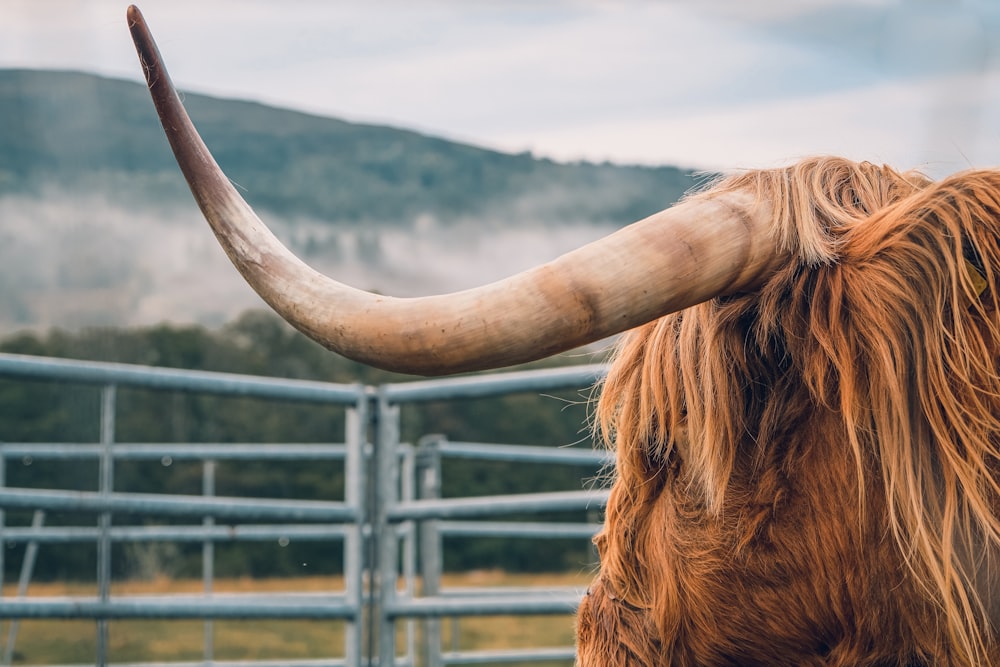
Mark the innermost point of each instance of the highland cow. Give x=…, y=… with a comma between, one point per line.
x=805, y=408
x=807, y=473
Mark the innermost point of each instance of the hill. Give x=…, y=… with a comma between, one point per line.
x=82, y=131
x=97, y=226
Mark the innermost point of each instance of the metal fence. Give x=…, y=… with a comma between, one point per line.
x=391, y=522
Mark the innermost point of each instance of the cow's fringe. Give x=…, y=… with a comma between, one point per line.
x=879, y=317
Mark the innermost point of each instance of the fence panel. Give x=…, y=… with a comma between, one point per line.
x=392, y=532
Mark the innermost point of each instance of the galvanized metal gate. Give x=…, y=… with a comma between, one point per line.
x=390, y=519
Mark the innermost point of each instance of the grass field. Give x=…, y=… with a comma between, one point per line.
x=52, y=642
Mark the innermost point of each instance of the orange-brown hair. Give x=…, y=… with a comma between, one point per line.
x=886, y=318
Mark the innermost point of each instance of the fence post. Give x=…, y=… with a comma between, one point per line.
x=431, y=565
x=406, y=531
x=105, y=486
x=27, y=569
x=355, y=437
x=208, y=557
x=386, y=481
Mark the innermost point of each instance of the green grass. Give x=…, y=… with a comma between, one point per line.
x=54, y=642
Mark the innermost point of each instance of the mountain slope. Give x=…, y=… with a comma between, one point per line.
x=85, y=132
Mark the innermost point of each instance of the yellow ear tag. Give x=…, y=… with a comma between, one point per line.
x=978, y=279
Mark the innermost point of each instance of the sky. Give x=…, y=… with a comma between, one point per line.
x=715, y=84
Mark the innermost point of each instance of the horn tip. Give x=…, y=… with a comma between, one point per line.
x=149, y=54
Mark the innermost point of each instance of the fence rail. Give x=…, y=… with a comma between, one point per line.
x=390, y=524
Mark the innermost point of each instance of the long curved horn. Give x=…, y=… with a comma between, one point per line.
x=684, y=255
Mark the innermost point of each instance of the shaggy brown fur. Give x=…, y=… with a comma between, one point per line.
x=808, y=474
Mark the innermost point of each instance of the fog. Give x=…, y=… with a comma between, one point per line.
x=81, y=262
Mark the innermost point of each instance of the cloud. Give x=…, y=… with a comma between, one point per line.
x=938, y=127
x=624, y=81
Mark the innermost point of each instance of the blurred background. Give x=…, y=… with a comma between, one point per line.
x=424, y=147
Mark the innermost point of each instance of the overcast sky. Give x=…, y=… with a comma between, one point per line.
x=711, y=84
